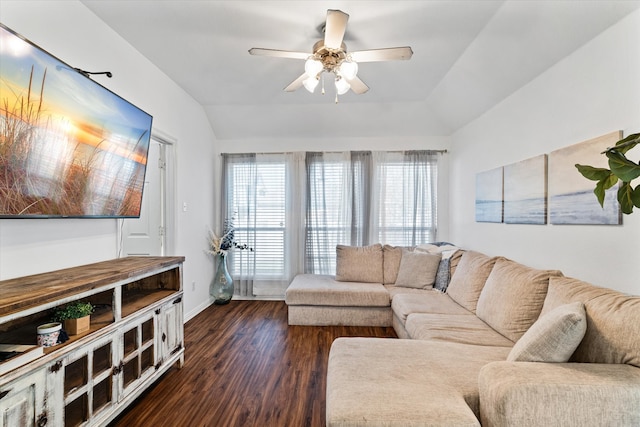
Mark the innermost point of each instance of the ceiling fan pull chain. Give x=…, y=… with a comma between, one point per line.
x=323, y=84
x=336, y=97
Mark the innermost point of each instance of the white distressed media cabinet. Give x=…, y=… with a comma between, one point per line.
x=137, y=334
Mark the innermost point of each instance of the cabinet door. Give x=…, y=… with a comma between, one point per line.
x=89, y=388
x=22, y=401
x=139, y=352
x=172, y=327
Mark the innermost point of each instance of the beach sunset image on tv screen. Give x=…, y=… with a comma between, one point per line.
x=68, y=146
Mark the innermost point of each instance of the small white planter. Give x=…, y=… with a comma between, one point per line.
x=48, y=334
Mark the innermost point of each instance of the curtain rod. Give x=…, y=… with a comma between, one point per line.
x=333, y=152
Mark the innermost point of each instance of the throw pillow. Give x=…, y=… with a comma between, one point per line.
x=391, y=256
x=417, y=270
x=443, y=276
x=470, y=275
x=359, y=263
x=553, y=337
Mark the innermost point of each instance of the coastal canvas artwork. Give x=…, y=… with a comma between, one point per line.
x=489, y=196
x=525, y=191
x=571, y=198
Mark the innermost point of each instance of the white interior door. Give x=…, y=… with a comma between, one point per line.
x=146, y=235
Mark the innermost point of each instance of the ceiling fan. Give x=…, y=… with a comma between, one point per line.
x=330, y=55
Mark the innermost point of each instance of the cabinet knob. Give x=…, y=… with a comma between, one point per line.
x=42, y=420
x=178, y=300
x=4, y=393
x=117, y=369
x=164, y=337
x=56, y=366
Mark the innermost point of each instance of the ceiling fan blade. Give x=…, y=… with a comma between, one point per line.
x=357, y=85
x=278, y=53
x=334, y=29
x=386, y=54
x=296, y=84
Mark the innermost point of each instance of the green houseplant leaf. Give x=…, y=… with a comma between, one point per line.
x=625, y=198
x=603, y=185
x=635, y=197
x=621, y=168
x=627, y=143
x=594, y=174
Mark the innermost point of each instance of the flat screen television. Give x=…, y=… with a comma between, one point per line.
x=69, y=147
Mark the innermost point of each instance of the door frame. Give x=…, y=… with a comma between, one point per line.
x=168, y=186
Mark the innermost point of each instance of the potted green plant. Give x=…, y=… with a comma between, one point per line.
x=76, y=317
x=620, y=169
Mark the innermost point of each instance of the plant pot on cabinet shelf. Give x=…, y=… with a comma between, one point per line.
x=77, y=326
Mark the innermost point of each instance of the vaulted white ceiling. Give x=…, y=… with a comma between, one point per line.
x=468, y=56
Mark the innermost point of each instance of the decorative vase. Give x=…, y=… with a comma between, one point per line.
x=221, y=288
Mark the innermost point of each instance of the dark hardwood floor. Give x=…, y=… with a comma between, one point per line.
x=244, y=366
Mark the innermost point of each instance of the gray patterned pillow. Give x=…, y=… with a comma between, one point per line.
x=443, y=275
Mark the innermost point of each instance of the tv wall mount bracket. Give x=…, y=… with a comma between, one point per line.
x=90, y=73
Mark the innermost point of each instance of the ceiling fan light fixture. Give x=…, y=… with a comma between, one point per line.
x=312, y=67
x=310, y=83
x=342, y=85
x=349, y=69
x=330, y=55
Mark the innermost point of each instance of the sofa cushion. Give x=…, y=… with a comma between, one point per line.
x=391, y=257
x=553, y=337
x=453, y=263
x=428, y=301
x=564, y=290
x=317, y=289
x=613, y=321
x=512, y=297
x=418, y=269
x=469, y=277
x=359, y=263
x=400, y=290
x=391, y=382
x=458, y=328
x=527, y=394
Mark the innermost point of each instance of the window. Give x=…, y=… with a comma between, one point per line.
x=407, y=185
x=293, y=209
x=256, y=201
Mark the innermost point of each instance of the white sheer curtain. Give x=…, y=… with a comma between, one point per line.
x=328, y=209
x=338, y=206
x=404, y=197
x=262, y=194
x=294, y=208
x=239, y=199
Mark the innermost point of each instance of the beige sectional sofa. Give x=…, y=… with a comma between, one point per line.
x=504, y=345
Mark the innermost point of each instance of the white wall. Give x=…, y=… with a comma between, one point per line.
x=592, y=92
x=68, y=30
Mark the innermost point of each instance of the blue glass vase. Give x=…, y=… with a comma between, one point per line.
x=221, y=288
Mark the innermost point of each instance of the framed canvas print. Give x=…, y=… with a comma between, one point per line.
x=525, y=191
x=489, y=196
x=69, y=147
x=571, y=198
